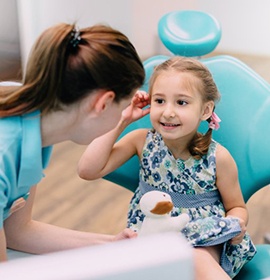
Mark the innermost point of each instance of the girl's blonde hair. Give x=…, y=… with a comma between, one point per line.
x=60, y=72
x=205, y=85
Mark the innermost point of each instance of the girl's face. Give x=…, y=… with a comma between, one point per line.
x=176, y=105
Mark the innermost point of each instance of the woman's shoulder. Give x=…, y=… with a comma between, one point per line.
x=14, y=128
x=10, y=125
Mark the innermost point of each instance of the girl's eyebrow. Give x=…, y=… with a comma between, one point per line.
x=158, y=94
x=184, y=95
x=178, y=95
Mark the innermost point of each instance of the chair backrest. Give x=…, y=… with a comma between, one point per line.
x=245, y=112
x=245, y=131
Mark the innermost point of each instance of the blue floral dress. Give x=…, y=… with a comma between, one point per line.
x=192, y=186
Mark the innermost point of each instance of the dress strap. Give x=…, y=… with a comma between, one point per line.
x=185, y=200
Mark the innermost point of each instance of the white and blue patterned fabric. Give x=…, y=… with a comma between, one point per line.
x=192, y=186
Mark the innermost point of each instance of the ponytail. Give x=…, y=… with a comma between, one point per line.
x=200, y=144
x=66, y=64
x=43, y=74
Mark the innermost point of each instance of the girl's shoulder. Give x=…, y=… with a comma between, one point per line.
x=220, y=152
x=138, y=134
x=217, y=146
x=223, y=155
x=212, y=148
x=136, y=138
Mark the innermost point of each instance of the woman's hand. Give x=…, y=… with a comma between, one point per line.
x=136, y=109
x=125, y=234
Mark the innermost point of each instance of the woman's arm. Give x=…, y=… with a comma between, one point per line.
x=26, y=235
x=3, y=254
x=103, y=155
x=229, y=188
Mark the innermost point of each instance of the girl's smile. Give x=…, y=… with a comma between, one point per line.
x=169, y=126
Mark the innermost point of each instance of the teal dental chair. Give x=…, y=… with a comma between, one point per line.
x=244, y=110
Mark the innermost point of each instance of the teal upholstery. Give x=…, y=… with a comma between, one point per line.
x=245, y=113
x=258, y=267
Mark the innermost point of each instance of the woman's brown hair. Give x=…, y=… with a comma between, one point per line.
x=205, y=85
x=59, y=72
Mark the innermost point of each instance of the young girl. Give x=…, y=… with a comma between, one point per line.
x=76, y=84
x=199, y=174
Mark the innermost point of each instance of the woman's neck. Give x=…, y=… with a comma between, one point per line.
x=56, y=127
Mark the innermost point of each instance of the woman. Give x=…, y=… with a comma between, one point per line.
x=76, y=84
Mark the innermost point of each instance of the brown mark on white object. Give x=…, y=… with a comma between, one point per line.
x=162, y=208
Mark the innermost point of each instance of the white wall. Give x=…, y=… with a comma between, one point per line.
x=245, y=24
x=136, y=18
x=9, y=33
x=37, y=15
x=145, y=17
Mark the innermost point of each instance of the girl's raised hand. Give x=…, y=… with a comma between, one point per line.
x=136, y=109
x=140, y=99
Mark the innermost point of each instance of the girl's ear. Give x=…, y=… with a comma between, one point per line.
x=103, y=101
x=207, y=110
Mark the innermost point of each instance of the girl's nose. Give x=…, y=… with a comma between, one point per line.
x=169, y=112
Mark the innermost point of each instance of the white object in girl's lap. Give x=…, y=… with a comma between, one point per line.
x=157, y=206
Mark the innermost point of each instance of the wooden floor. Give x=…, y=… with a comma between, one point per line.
x=64, y=199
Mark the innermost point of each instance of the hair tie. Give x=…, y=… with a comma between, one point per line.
x=214, y=121
x=75, y=37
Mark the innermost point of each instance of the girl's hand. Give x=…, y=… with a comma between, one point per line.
x=136, y=109
x=125, y=234
x=238, y=238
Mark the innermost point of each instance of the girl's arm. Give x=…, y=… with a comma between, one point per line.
x=103, y=155
x=229, y=188
x=26, y=235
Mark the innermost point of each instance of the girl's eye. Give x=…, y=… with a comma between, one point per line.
x=159, y=101
x=182, y=102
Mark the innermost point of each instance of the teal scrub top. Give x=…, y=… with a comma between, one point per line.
x=22, y=158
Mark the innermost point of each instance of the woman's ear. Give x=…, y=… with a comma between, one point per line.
x=207, y=110
x=103, y=101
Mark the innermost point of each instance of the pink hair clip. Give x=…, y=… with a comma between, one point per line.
x=214, y=121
